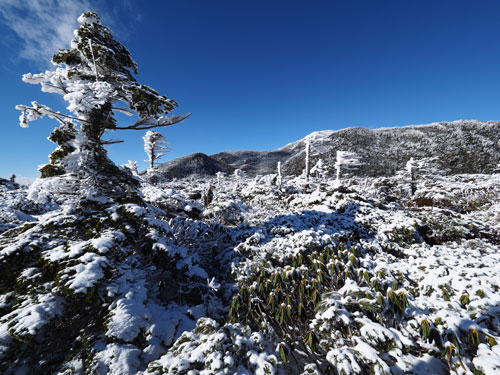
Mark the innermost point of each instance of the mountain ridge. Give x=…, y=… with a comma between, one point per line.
x=460, y=146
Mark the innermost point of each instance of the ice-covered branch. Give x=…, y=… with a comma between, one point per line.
x=39, y=110
x=150, y=123
x=124, y=111
x=47, y=87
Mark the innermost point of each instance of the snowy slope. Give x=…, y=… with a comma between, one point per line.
x=311, y=278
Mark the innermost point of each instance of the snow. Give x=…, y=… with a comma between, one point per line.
x=344, y=360
x=128, y=313
x=163, y=287
x=262, y=362
x=87, y=273
x=120, y=359
x=375, y=333
x=61, y=252
x=105, y=242
x=134, y=209
x=31, y=314
x=213, y=347
x=488, y=360
x=368, y=353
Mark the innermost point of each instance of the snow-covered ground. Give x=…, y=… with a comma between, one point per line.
x=409, y=285
x=312, y=278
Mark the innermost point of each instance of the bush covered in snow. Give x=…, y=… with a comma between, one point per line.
x=320, y=280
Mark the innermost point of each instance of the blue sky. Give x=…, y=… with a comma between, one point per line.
x=259, y=74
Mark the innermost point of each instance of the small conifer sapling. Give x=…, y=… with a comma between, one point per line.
x=279, y=178
x=155, y=146
x=307, y=161
x=412, y=169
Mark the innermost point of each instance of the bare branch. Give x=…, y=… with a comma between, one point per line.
x=150, y=123
x=112, y=142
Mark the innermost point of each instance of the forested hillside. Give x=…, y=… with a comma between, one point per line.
x=458, y=147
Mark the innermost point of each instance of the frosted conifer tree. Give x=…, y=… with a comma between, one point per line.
x=95, y=77
x=412, y=169
x=424, y=169
x=307, y=161
x=220, y=176
x=346, y=160
x=155, y=146
x=279, y=178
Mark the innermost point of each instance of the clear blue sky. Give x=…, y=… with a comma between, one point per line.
x=259, y=74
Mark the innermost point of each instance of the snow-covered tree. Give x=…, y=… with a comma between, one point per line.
x=307, y=160
x=320, y=169
x=133, y=167
x=237, y=178
x=220, y=177
x=346, y=160
x=425, y=169
x=95, y=76
x=279, y=178
x=208, y=194
x=155, y=146
x=412, y=169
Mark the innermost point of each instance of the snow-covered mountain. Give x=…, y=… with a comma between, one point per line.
x=464, y=146
x=458, y=146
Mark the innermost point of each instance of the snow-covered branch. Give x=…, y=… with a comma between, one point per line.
x=150, y=123
x=112, y=142
x=38, y=111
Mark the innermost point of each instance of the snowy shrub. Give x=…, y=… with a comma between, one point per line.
x=225, y=209
x=320, y=170
x=345, y=162
x=208, y=195
x=210, y=349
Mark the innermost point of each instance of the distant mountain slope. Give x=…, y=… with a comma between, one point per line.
x=197, y=163
x=460, y=146
x=464, y=146
x=254, y=162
